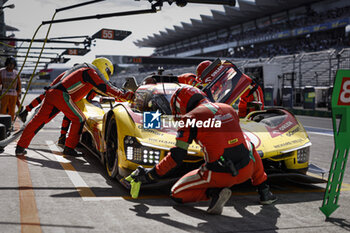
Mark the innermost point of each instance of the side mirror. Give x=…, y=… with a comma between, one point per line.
x=130, y=84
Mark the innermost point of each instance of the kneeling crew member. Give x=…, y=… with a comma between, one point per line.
x=229, y=158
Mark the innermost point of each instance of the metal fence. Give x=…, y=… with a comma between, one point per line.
x=316, y=68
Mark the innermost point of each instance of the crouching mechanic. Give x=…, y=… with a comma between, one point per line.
x=72, y=87
x=229, y=158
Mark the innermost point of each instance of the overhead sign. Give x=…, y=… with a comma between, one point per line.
x=111, y=34
x=77, y=51
x=341, y=111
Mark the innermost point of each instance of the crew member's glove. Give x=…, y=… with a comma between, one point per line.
x=128, y=95
x=138, y=177
x=23, y=115
x=143, y=175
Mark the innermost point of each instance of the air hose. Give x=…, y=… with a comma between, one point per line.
x=36, y=65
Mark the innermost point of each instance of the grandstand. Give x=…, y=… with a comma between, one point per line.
x=313, y=68
x=306, y=37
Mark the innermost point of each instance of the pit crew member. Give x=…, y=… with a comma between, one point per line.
x=72, y=87
x=8, y=74
x=189, y=78
x=251, y=100
x=65, y=121
x=229, y=158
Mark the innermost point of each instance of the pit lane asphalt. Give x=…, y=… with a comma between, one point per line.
x=51, y=193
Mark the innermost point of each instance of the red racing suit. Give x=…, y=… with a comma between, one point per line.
x=250, y=95
x=189, y=78
x=225, y=141
x=62, y=95
x=65, y=121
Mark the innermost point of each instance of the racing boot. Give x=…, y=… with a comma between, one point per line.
x=219, y=197
x=62, y=141
x=266, y=197
x=70, y=151
x=20, y=151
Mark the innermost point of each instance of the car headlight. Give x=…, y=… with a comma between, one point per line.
x=303, y=155
x=137, y=153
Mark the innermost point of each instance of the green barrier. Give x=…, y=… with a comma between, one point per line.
x=341, y=110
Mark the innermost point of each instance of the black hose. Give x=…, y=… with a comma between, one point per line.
x=125, y=13
x=77, y=5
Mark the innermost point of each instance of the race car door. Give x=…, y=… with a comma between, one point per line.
x=228, y=82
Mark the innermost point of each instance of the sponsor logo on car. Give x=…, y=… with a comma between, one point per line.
x=285, y=126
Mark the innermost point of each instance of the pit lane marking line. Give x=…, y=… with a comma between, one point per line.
x=319, y=131
x=29, y=216
x=318, y=128
x=323, y=134
x=345, y=186
x=82, y=188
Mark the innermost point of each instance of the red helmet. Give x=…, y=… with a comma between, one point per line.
x=201, y=67
x=185, y=99
x=188, y=78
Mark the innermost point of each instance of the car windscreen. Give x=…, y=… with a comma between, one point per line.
x=148, y=101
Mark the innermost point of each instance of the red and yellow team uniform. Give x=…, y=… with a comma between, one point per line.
x=250, y=95
x=67, y=89
x=227, y=141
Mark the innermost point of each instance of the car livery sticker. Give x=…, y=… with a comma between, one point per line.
x=251, y=137
x=282, y=128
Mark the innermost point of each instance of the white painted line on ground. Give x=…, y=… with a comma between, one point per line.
x=319, y=131
x=318, y=128
x=73, y=175
x=324, y=134
x=84, y=190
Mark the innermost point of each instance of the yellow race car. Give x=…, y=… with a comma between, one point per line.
x=117, y=134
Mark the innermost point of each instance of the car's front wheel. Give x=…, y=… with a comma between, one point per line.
x=111, y=155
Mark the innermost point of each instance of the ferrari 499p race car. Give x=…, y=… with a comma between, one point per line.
x=115, y=133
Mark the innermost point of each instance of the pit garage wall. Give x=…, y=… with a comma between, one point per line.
x=270, y=74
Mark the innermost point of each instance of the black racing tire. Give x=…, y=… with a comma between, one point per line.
x=111, y=155
x=3, y=133
x=6, y=121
